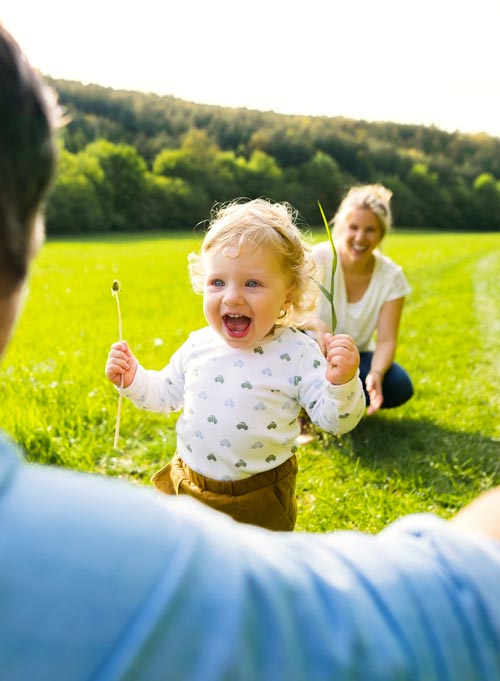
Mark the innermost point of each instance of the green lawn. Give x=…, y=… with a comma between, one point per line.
x=433, y=454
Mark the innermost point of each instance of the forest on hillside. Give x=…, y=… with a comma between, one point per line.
x=131, y=161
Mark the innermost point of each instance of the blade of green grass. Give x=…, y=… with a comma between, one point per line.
x=330, y=294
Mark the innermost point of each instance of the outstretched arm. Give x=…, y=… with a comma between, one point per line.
x=482, y=514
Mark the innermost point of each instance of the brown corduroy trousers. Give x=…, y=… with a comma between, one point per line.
x=266, y=499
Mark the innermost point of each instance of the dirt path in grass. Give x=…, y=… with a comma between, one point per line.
x=487, y=304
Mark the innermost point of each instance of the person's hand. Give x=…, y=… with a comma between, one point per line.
x=481, y=515
x=121, y=362
x=373, y=383
x=342, y=358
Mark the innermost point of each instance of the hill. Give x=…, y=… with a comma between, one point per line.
x=439, y=179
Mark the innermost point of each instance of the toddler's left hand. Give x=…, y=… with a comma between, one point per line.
x=342, y=358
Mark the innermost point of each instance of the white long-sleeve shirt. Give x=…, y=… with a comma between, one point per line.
x=240, y=406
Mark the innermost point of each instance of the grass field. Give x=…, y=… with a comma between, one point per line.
x=433, y=454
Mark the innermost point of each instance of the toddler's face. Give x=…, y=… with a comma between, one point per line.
x=244, y=295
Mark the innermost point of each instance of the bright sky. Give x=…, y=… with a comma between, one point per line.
x=426, y=62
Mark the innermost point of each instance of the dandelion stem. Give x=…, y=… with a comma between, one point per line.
x=115, y=290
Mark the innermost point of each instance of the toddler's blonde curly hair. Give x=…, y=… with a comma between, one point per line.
x=263, y=223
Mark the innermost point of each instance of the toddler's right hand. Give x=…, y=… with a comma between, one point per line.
x=121, y=362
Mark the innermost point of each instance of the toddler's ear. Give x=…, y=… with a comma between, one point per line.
x=289, y=298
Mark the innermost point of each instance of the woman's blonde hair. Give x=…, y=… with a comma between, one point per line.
x=374, y=197
x=263, y=223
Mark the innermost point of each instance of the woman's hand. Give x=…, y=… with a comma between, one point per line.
x=121, y=362
x=342, y=358
x=373, y=383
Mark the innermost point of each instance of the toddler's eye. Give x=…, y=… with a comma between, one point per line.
x=217, y=283
x=252, y=283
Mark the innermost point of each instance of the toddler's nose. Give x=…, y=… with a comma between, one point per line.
x=233, y=296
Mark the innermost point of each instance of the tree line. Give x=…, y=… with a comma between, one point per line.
x=131, y=161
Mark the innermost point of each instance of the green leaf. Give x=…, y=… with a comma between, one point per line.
x=324, y=291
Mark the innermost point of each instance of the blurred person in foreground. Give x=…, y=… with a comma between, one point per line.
x=102, y=580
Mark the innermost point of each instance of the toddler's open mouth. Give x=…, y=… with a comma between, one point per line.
x=236, y=325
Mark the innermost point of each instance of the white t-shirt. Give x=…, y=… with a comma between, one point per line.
x=240, y=406
x=359, y=319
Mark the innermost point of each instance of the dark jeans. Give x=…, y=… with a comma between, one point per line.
x=396, y=386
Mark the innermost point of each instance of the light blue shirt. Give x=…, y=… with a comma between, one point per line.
x=101, y=580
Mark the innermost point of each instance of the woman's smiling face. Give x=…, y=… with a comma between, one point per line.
x=361, y=234
x=244, y=294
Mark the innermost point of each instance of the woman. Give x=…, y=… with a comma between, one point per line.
x=369, y=293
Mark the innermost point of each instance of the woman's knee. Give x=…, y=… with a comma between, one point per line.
x=397, y=387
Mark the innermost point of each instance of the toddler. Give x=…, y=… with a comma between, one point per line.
x=242, y=380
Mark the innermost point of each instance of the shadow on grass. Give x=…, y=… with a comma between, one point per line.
x=421, y=450
x=388, y=467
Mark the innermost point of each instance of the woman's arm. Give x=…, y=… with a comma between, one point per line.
x=385, y=350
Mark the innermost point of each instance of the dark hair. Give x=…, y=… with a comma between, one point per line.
x=27, y=157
